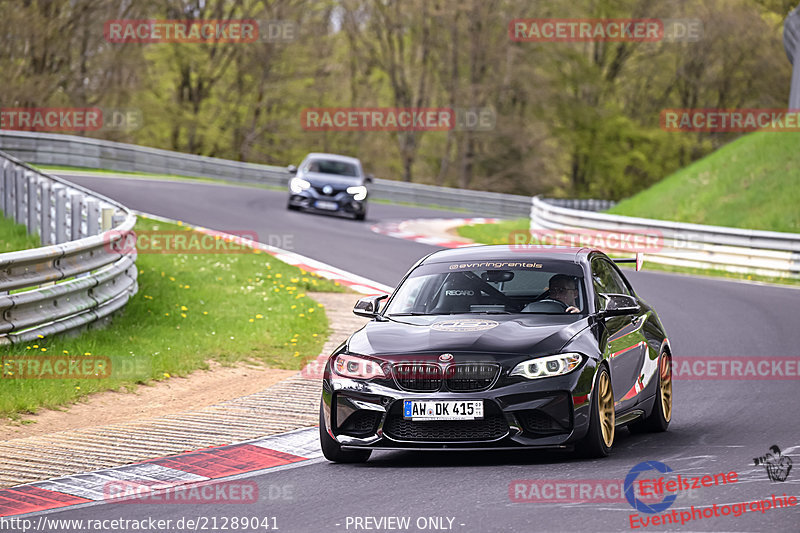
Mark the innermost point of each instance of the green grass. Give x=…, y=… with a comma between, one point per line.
x=753, y=182
x=494, y=233
x=501, y=232
x=190, y=308
x=15, y=237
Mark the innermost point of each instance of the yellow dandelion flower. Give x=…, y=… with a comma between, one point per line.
x=44, y=349
x=184, y=308
x=252, y=320
x=35, y=345
x=166, y=314
x=166, y=375
x=259, y=316
x=87, y=353
x=183, y=315
x=279, y=275
x=205, y=312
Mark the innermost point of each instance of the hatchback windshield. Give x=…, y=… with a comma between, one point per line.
x=491, y=287
x=328, y=166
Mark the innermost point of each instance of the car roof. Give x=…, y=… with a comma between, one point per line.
x=334, y=157
x=504, y=252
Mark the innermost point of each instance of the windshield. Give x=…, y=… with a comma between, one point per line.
x=328, y=166
x=491, y=287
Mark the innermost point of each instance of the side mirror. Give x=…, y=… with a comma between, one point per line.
x=368, y=307
x=619, y=305
x=292, y=169
x=369, y=178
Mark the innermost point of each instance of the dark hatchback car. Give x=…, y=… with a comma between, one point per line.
x=330, y=183
x=497, y=347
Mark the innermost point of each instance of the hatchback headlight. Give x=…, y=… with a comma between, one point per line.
x=352, y=366
x=359, y=192
x=545, y=367
x=298, y=185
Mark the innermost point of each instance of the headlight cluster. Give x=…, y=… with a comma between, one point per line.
x=298, y=185
x=359, y=192
x=352, y=366
x=545, y=367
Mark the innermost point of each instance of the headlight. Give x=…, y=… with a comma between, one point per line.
x=298, y=185
x=359, y=192
x=545, y=367
x=352, y=366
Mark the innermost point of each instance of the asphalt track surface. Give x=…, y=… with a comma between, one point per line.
x=718, y=425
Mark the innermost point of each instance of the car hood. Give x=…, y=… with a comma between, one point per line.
x=318, y=179
x=487, y=334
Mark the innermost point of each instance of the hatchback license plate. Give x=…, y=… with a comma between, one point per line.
x=328, y=206
x=442, y=410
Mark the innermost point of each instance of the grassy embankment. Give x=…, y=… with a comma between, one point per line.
x=190, y=308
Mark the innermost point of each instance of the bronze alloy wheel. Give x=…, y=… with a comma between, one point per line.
x=605, y=406
x=666, y=387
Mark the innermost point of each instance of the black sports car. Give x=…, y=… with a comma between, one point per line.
x=498, y=347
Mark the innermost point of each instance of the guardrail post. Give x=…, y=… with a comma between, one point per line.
x=3, y=187
x=92, y=217
x=32, y=188
x=19, y=212
x=45, y=191
x=107, y=215
x=76, y=212
x=60, y=196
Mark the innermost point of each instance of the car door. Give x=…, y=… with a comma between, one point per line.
x=625, y=343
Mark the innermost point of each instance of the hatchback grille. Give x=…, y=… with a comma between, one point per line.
x=470, y=376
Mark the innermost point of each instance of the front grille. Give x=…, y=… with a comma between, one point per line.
x=470, y=376
x=418, y=377
x=492, y=427
x=362, y=422
x=398, y=428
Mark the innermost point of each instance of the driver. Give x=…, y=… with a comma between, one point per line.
x=565, y=289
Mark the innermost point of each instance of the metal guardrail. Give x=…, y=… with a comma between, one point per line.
x=70, y=150
x=767, y=253
x=79, y=277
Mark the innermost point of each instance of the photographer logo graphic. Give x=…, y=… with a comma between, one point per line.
x=778, y=466
x=638, y=504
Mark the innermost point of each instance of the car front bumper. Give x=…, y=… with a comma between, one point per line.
x=546, y=413
x=340, y=202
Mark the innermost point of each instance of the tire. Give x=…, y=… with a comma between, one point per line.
x=291, y=207
x=661, y=415
x=332, y=450
x=600, y=437
x=360, y=216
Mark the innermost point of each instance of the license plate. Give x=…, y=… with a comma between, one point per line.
x=329, y=206
x=442, y=410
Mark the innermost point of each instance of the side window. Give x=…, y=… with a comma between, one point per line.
x=607, y=280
